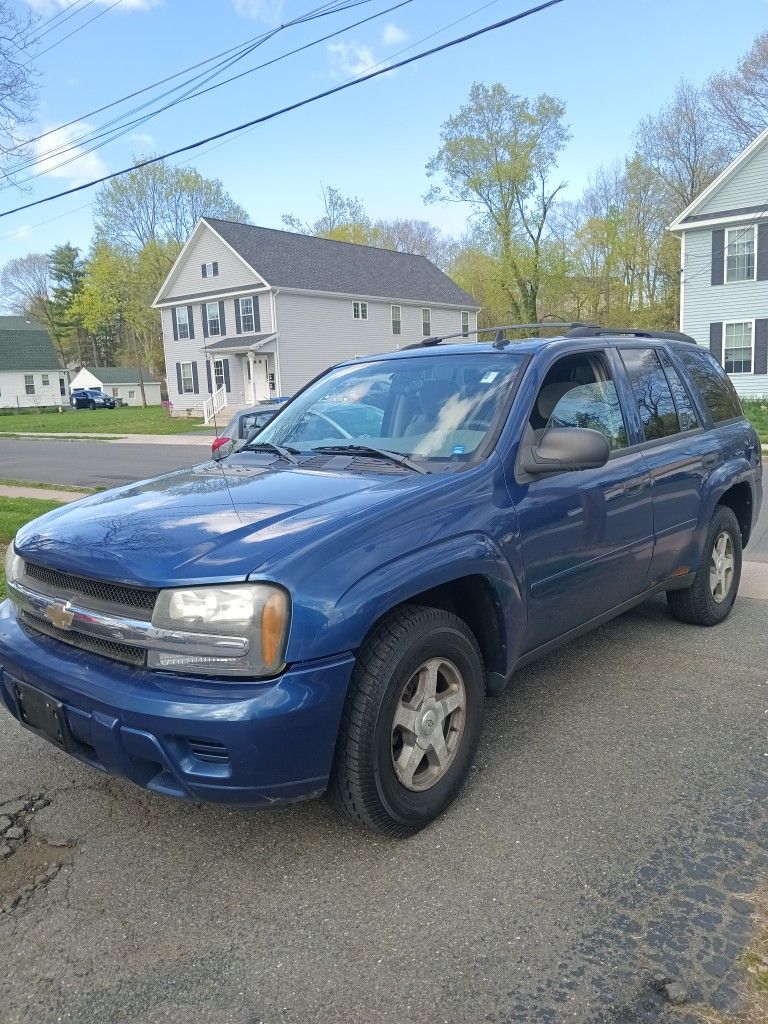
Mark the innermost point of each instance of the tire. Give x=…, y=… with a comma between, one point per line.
x=91, y=404
x=412, y=653
x=700, y=605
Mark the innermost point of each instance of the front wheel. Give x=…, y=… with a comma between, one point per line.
x=710, y=599
x=411, y=722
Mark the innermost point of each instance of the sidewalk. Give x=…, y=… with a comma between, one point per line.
x=41, y=493
x=154, y=439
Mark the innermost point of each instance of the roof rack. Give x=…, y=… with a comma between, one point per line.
x=500, y=341
x=594, y=331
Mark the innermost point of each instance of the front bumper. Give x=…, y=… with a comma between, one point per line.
x=224, y=742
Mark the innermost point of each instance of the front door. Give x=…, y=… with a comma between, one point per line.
x=260, y=380
x=587, y=535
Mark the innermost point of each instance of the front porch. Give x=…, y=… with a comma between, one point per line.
x=240, y=372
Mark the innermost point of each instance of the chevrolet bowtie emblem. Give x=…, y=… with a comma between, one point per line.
x=60, y=615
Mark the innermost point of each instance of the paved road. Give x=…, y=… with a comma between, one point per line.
x=612, y=828
x=93, y=463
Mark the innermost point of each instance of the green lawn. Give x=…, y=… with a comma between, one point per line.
x=129, y=420
x=14, y=512
x=757, y=410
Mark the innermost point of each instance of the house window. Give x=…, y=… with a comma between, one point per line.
x=737, y=347
x=115, y=392
x=210, y=269
x=46, y=381
x=62, y=387
x=740, y=254
x=218, y=374
x=131, y=394
x=29, y=383
x=465, y=322
x=187, y=381
x=426, y=322
x=246, y=315
x=360, y=310
x=397, y=320
x=182, y=321
x=212, y=313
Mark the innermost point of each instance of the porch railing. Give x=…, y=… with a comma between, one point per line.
x=214, y=404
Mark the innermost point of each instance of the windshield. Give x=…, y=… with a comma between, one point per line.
x=430, y=407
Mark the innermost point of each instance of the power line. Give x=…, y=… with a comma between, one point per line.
x=74, y=31
x=112, y=130
x=291, y=107
x=62, y=11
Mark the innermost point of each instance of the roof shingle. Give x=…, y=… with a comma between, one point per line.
x=120, y=375
x=25, y=346
x=286, y=259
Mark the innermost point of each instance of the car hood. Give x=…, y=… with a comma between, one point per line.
x=214, y=522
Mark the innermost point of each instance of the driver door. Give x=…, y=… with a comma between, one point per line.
x=586, y=535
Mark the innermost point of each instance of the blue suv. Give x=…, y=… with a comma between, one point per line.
x=327, y=608
x=90, y=398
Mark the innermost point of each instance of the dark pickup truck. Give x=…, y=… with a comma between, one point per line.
x=327, y=608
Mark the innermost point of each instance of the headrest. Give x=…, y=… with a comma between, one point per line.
x=434, y=394
x=549, y=396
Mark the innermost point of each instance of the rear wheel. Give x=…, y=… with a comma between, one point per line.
x=91, y=404
x=716, y=583
x=411, y=722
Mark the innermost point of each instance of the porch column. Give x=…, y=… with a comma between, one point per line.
x=252, y=379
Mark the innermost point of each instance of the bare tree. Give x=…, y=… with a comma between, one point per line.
x=26, y=287
x=740, y=99
x=18, y=89
x=681, y=144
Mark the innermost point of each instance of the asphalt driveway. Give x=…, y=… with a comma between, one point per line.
x=611, y=832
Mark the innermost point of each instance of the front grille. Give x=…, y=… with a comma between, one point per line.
x=107, y=648
x=111, y=596
x=209, y=751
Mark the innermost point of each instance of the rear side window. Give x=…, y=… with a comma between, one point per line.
x=712, y=382
x=652, y=392
x=686, y=413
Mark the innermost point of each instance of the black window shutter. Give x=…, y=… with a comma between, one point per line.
x=222, y=321
x=195, y=383
x=226, y=375
x=761, y=347
x=215, y=269
x=175, y=325
x=178, y=378
x=208, y=375
x=762, y=252
x=716, y=340
x=256, y=317
x=204, y=269
x=718, y=256
x=204, y=313
x=191, y=321
x=238, y=324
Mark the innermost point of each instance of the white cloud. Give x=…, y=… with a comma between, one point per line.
x=351, y=60
x=49, y=7
x=58, y=148
x=143, y=139
x=393, y=34
x=268, y=11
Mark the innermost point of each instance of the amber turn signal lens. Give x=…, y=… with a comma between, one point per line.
x=273, y=628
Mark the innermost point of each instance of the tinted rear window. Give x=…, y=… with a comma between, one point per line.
x=652, y=393
x=712, y=382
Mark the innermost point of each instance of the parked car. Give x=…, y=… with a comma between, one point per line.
x=90, y=398
x=320, y=612
x=243, y=425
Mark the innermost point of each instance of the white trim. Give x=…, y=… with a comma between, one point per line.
x=426, y=309
x=682, y=282
x=242, y=290
x=677, y=223
x=181, y=258
x=396, y=306
x=741, y=280
x=252, y=314
x=416, y=303
x=741, y=373
x=736, y=218
x=187, y=362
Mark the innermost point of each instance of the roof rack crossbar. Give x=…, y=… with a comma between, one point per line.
x=499, y=331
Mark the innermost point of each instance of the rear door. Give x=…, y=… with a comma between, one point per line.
x=679, y=454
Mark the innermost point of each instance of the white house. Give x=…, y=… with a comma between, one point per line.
x=724, y=279
x=30, y=372
x=119, y=382
x=250, y=313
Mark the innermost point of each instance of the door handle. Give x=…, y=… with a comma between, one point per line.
x=634, y=486
x=710, y=459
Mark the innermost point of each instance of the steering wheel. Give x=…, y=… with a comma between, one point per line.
x=331, y=423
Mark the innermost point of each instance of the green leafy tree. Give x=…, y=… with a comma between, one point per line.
x=67, y=274
x=499, y=155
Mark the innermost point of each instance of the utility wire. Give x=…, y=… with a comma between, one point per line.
x=74, y=31
x=290, y=107
x=112, y=130
x=54, y=17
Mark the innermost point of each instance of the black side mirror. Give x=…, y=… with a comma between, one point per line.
x=565, y=448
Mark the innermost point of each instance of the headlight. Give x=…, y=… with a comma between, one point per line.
x=256, y=612
x=13, y=564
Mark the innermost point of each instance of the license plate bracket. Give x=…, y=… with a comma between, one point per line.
x=42, y=714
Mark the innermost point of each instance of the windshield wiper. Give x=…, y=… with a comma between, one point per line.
x=288, y=454
x=368, y=449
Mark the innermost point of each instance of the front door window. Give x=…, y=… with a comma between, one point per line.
x=218, y=374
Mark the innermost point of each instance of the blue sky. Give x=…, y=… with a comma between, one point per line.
x=611, y=61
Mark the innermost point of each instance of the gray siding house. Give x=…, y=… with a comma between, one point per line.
x=251, y=313
x=724, y=276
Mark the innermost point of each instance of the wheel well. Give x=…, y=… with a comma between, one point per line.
x=739, y=499
x=473, y=599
